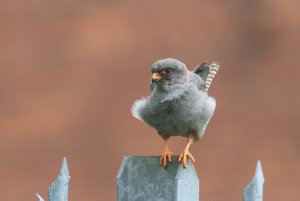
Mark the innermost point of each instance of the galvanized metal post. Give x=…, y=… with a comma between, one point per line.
x=254, y=190
x=142, y=178
x=58, y=191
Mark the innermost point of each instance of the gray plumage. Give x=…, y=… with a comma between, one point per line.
x=202, y=70
x=179, y=104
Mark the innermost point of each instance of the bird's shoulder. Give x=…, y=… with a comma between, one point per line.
x=197, y=80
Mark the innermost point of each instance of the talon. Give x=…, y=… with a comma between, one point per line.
x=186, y=154
x=190, y=156
x=165, y=157
x=183, y=157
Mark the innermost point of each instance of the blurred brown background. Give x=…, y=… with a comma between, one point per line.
x=70, y=70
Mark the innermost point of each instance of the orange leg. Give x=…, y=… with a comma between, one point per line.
x=166, y=156
x=186, y=154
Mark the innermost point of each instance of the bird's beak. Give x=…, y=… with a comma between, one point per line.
x=156, y=76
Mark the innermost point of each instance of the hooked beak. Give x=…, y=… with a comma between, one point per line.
x=156, y=76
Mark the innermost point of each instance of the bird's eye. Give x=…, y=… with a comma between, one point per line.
x=168, y=71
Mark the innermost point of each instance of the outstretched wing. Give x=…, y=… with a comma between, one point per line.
x=207, y=72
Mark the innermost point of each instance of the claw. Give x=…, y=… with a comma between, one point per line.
x=183, y=156
x=165, y=157
x=186, y=154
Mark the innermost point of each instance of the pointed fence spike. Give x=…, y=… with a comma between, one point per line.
x=254, y=190
x=64, y=168
x=58, y=191
x=39, y=197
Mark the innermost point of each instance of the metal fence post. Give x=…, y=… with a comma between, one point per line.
x=58, y=191
x=254, y=190
x=142, y=178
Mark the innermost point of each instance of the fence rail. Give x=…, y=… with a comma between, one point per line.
x=140, y=178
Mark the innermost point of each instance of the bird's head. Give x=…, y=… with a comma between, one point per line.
x=169, y=71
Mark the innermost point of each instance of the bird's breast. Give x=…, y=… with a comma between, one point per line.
x=177, y=113
x=170, y=118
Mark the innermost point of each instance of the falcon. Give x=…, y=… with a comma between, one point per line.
x=178, y=104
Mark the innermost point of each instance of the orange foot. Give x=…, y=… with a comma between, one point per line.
x=182, y=158
x=165, y=157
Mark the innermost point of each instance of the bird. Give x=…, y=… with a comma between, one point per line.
x=178, y=105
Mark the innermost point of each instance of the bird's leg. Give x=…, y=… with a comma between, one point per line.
x=186, y=154
x=167, y=154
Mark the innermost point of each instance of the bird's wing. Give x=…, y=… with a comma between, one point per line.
x=207, y=72
x=197, y=80
x=202, y=70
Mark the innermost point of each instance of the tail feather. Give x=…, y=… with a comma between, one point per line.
x=213, y=69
